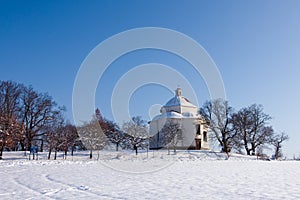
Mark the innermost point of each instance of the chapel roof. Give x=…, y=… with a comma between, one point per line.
x=175, y=115
x=179, y=100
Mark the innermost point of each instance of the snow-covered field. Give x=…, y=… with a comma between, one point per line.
x=187, y=175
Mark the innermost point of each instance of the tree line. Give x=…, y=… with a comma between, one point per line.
x=246, y=130
x=30, y=118
x=100, y=132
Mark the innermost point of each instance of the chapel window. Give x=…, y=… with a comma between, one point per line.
x=204, y=136
x=198, y=129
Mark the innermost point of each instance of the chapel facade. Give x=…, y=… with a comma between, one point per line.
x=194, y=128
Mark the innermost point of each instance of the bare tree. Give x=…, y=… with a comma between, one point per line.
x=277, y=143
x=71, y=138
x=136, y=134
x=243, y=122
x=114, y=134
x=92, y=136
x=262, y=133
x=61, y=136
x=24, y=115
x=251, y=124
x=53, y=134
x=111, y=130
x=218, y=114
x=172, y=134
x=11, y=130
x=37, y=111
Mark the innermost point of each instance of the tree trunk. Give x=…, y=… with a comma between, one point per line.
x=72, y=150
x=253, y=148
x=66, y=152
x=28, y=147
x=248, y=152
x=117, y=146
x=98, y=155
x=49, y=153
x=135, y=148
x=55, y=154
x=277, y=149
x=91, y=154
x=29, y=140
x=247, y=149
x=16, y=147
x=226, y=148
x=1, y=152
x=22, y=145
x=42, y=146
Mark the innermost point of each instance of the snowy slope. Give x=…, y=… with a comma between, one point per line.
x=193, y=175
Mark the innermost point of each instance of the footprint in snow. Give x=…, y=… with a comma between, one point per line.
x=82, y=187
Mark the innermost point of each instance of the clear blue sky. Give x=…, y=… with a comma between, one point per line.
x=255, y=44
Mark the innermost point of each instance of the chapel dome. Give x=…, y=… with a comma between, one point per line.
x=179, y=100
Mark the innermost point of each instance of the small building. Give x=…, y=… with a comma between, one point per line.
x=193, y=127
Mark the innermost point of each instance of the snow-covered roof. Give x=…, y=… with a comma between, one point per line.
x=179, y=100
x=175, y=115
x=173, y=108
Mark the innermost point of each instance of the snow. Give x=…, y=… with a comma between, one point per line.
x=167, y=115
x=122, y=175
x=179, y=101
x=175, y=115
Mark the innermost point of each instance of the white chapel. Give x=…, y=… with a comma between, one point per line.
x=193, y=126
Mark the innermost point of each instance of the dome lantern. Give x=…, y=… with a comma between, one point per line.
x=178, y=92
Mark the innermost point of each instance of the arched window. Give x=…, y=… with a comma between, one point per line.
x=204, y=136
x=198, y=129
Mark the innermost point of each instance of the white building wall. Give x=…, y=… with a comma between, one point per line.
x=181, y=111
x=188, y=131
x=188, y=127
